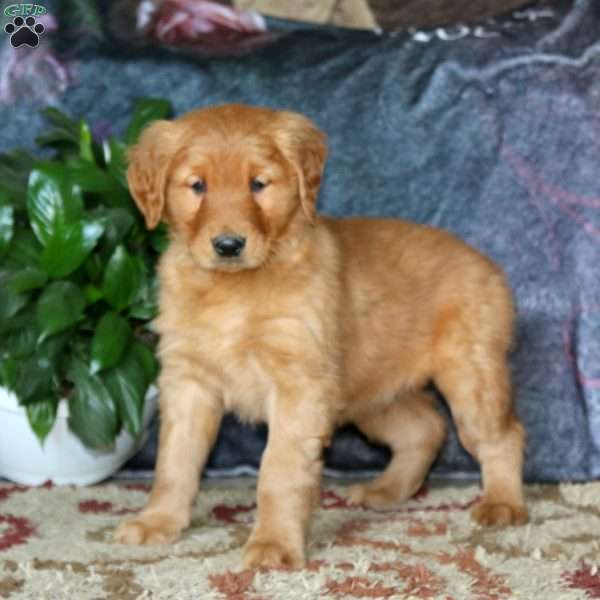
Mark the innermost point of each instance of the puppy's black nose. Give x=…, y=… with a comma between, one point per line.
x=228, y=246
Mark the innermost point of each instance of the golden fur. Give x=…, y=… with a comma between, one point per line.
x=318, y=322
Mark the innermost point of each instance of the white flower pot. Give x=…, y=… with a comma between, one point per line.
x=63, y=459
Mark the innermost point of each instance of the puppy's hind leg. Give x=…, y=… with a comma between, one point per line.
x=477, y=389
x=415, y=431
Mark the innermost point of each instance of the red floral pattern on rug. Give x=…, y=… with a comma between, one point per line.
x=57, y=542
x=584, y=578
x=14, y=531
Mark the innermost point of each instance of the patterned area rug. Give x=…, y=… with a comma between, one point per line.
x=55, y=544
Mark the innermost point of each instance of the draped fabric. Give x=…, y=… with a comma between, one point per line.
x=491, y=132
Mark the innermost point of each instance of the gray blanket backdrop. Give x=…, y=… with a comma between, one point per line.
x=492, y=133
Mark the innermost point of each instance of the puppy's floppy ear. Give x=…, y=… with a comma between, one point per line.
x=149, y=162
x=305, y=146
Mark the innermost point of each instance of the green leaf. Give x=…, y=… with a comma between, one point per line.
x=111, y=337
x=85, y=142
x=60, y=119
x=68, y=247
x=117, y=224
x=41, y=416
x=56, y=136
x=21, y=342
x=123, y=279
x=146, y=305
x=147, y=359
x=145, y=111
x=7, y=223
x=29, y=278
x=14, y=171
x=89, y=177
x=25, y=316
x=9, y=371
x=61, y=305
x=94, y=268
x=52, y=202
x=65, y=131
x=24, y=251
x=143, y=311
x=34, y=380
x=159, y=237
x=115, y=157
x=92, y=293
x=127, y=385
x=80, y=348
x=92, y=412
x=11, y=301
x=53, y=349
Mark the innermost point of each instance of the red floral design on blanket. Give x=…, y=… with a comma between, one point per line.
x=208, y=27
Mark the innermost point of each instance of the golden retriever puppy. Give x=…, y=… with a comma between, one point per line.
x=307, y=322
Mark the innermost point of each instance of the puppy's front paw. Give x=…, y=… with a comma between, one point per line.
x=272, y=554
x=488, y=513
x=148, y=529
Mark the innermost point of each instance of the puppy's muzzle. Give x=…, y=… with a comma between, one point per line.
x=228, y=246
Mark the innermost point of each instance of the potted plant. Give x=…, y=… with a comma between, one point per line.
x=77, y=296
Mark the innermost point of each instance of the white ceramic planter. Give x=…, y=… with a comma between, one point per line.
x=63, y=459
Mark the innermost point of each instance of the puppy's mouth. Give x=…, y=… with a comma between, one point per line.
x=250, y=258
x=232, y=264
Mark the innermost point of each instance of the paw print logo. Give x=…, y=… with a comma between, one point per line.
x=24, y=32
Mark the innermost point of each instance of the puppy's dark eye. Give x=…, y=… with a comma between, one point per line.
x=256, y=185
x=199, y=187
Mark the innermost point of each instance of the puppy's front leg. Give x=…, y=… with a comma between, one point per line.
x=190, y=418
x=288, y=485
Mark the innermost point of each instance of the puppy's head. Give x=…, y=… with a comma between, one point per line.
x=229, y=180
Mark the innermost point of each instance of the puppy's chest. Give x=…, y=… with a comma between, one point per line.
x=249, y=345
x=233, y=328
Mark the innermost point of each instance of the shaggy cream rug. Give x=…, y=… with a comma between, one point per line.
x=55, y=544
